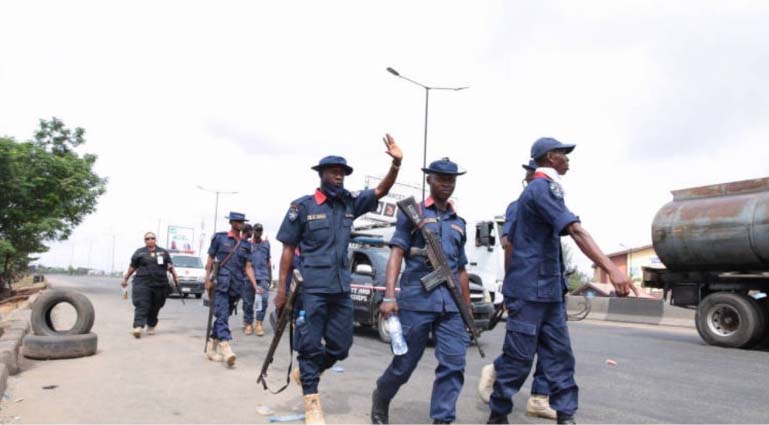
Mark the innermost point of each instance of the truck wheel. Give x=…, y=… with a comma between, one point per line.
x=59, y=347
x=728, y=320
x=40, y=315
x=763, y=321
x=381, y=327
x=198, y=296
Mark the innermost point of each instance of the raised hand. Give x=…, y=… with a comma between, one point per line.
x=392, y=148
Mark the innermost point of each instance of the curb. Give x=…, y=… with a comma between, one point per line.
x=634, y=310
x=15, y=326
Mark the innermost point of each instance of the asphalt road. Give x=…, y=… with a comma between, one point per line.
x=662, y=375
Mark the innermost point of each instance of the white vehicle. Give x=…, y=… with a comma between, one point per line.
x=485, y=256
x=191, y=272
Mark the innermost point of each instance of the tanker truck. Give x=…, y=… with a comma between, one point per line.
x=714, y=243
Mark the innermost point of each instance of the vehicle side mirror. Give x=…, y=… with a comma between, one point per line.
x=364, y=269
x=483, y=234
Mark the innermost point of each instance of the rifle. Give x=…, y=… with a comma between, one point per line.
x=284, y=318
x=211, y=299
x=441, y=270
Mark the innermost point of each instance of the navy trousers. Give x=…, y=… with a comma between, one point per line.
x=451, y=341
x=228, y=291
x=328, y=318
x=535, y=328
x=248, y=301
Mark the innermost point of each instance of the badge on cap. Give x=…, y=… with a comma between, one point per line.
x=556, y=190
x=293, y=213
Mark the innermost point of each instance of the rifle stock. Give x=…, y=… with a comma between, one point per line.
x=441, y=270
x=284, y=318
x=211, y=298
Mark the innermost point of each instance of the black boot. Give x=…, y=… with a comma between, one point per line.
x=563, y=418
x=497, y=419
x=438, y=421
x=379, y=409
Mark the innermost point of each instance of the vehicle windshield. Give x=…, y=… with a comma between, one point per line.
x=187, y=261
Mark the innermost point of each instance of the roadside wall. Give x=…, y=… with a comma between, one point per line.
x=634, y=310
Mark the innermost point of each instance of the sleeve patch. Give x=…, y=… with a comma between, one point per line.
x=293, y=213
x=556, y=190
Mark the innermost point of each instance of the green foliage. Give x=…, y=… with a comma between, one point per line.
x=576, y=277
x=46, y=190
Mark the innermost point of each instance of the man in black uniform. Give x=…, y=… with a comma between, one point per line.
x=150, y=286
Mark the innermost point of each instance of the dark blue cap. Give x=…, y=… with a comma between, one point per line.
x=333, y=160
x=547, y=144
x=531, y=166
x=236, y=216
x=443, y=166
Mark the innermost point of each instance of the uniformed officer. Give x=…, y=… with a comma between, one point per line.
x=535, y=285
x=421, y=312
x=262, y=269
x=537, y=404
x=150, y=286
x=320, y=225
x=232, y=252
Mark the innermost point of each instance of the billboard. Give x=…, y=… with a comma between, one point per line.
x=180, y=238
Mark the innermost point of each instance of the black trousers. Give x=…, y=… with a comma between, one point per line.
x=148, y=300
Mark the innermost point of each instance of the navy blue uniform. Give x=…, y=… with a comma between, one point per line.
x=320, y=226
x=230, y=280
x=539, y=384
x=533, y=288
x=150, y=284
x=260, y=255
x=420, y=312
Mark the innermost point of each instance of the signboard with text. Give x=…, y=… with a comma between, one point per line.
x=180, y=238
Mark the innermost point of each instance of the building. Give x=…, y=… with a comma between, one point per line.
x=631, y=261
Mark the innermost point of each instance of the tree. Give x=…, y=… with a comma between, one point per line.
x=46, y=190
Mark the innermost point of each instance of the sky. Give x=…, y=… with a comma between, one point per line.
x=246, y=96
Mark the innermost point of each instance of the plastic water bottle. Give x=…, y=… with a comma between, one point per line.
x=399, y=346
x=300, y=319
x=258, y=302
x=125, y=293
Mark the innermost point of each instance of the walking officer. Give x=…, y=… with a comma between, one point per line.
x=320, y=225
x=537, y=405
x=232, y=252
x=150, y=286
x=421, y=312
x=262, y=270
x=535, y=285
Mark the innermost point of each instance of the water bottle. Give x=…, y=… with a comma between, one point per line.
x=125, y=293
x=300, y=319
x=258, y=301
x=399, y=346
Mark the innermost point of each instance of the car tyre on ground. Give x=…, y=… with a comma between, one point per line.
x=46, y=347
x=41, y=310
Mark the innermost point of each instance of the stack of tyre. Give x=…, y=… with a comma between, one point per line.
x=46, y=342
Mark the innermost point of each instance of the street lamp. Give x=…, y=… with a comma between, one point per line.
x=216, y=206
x=427, y=101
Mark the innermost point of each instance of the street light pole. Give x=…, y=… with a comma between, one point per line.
x=427, y=103
x=216, y=204
x=424, y=146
